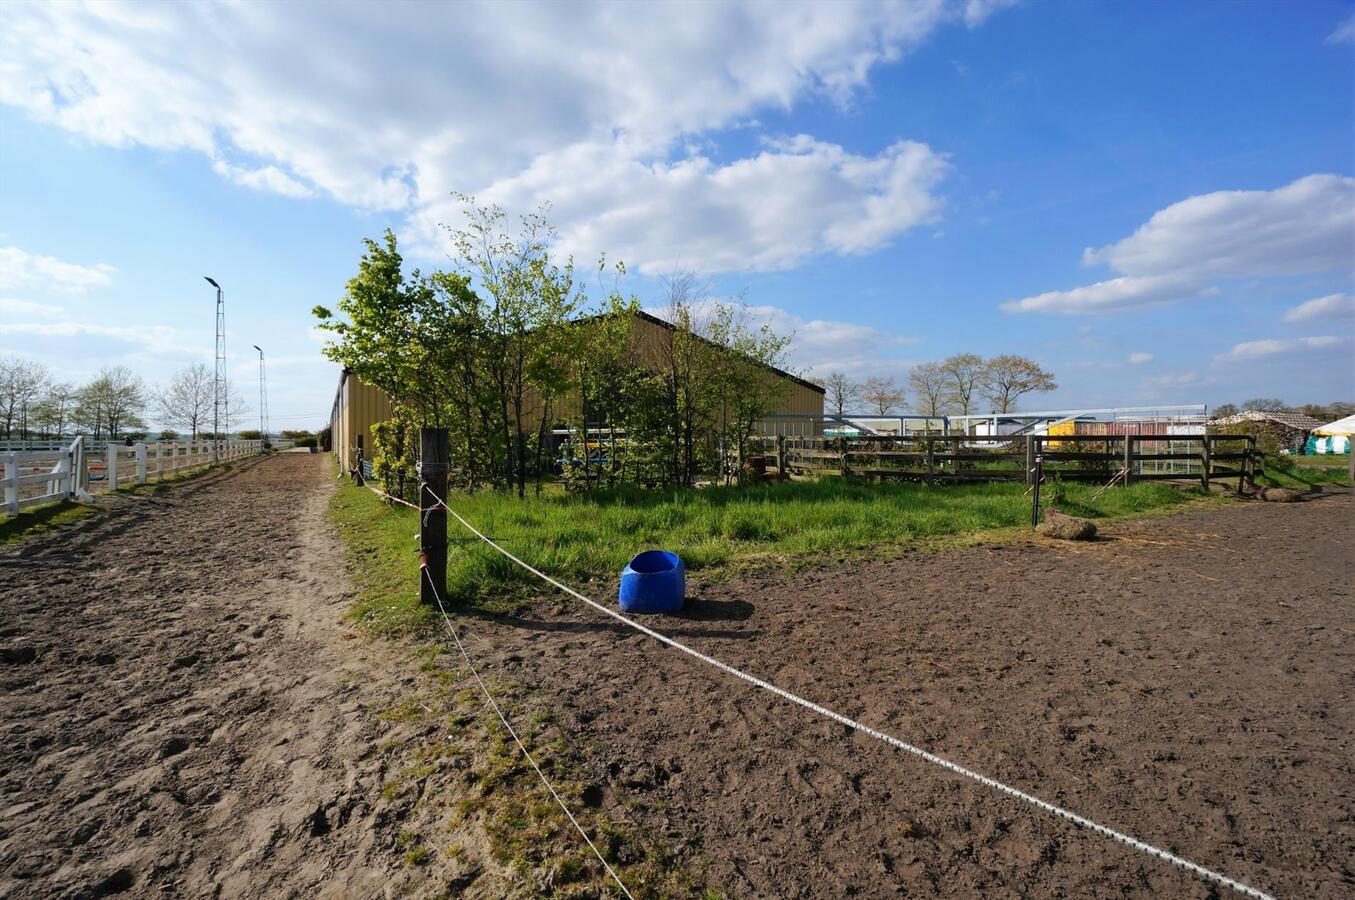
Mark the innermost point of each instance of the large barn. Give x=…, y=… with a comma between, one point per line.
x=359, y=406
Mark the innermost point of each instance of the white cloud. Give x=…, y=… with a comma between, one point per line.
x=19, y=268
x=500, y=100
x=152, y=338
x=12, y=307
x=1344, y=33
x=1272, y=346
x=1304, y=227
x=975, y=11
x=797, y=198
x=265, y=178
x=1136, y=359
x=820, y=346
x=1117, y=293
x=1332, y=306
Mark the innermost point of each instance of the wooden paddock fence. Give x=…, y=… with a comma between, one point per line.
x=964, y=458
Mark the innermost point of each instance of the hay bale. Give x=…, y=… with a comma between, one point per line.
x=1066, y=528
x=1280, y=495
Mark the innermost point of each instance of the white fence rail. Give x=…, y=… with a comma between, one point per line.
x=74, y=471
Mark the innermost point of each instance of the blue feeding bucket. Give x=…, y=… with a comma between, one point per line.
x=653, y=582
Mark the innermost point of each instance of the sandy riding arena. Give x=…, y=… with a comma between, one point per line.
x=181, y=712
x=186, y=712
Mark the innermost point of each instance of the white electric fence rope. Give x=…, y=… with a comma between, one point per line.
x=506, y=724
x=1128, y=840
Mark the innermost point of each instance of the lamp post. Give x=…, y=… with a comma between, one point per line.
x=220, y=403
x=263, y=400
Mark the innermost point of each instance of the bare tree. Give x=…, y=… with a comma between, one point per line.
x=964, y=374
x=21, y=384
x=1263, y=404
x=928, y=381
x=186, y=402
x=842, y=392
x=882, y=395
x=1008, y=377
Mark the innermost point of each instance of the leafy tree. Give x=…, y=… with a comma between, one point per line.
x=1007, y=378
x=882, y=395
x=530, y=302
x=841, y=392
x=1264, y=404
x=964, y=373
x=744, y=385
x=53, y=411
x=928, y=381
x=114, y=402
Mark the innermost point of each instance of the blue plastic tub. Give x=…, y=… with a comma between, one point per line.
x=653, y=582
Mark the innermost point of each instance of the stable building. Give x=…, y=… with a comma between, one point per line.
x=358, y=406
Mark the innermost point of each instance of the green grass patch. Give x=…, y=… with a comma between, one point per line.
x=38, y=520
x=1312, y=471
x=585, y=536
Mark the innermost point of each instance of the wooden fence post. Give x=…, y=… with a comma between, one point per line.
x=141, y=463
x=1204, y=463
x=1030, y=459
x=781, y=472
x=931, y=459
x=111, y=472
x=842, y=450
x=1128, y=458
x=433, y=446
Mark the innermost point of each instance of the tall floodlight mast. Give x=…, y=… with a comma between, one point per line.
x=263, y=399
x=220, y=397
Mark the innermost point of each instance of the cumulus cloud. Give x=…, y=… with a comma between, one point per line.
x=1332, y=306
x=797, y=198
x=21, y=269
x=1136, y=359
x=1304, y=227
x=376, y=111
x=1272, y=346
x=1126, y=292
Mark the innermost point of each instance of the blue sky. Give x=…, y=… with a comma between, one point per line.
x=1153, y=200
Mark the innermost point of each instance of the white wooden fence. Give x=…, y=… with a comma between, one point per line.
x=72, y=472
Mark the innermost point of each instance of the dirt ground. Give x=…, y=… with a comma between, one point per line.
x=183, y=711
x=1189, y=680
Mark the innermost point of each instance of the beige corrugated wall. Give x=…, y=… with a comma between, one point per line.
x=359, y=406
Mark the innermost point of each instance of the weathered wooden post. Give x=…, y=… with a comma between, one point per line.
x=111, y=472
x=1030, y=459
x=141, y=463
x=433, y=445
x=842, y=451
x=931, y=458
x=1204, y=463
x=1128, y=458
x=781, y=473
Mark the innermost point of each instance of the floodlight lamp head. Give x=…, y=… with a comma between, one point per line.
x=257, y=347
x=212, y=282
